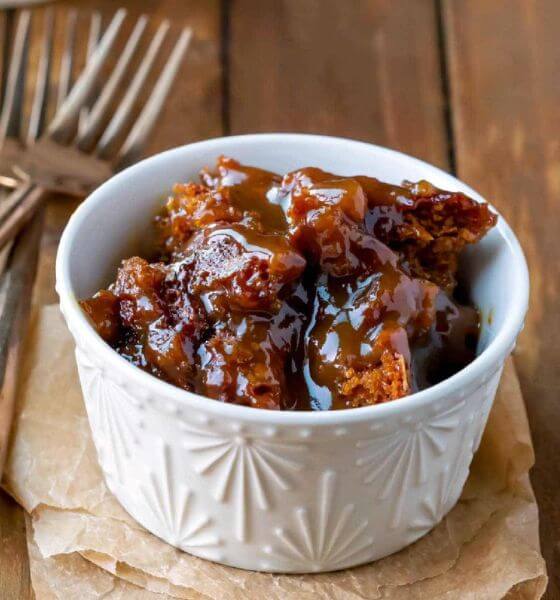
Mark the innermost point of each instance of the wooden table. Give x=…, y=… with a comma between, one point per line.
x=470, y=85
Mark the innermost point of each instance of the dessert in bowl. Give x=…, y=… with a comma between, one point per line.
x=289, y=491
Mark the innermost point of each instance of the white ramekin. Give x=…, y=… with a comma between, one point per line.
x=257, y=489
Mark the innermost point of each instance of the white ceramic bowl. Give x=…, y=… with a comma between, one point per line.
x=280, y=491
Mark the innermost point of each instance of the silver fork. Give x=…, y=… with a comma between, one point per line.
x=60, y=160
x=47, y=164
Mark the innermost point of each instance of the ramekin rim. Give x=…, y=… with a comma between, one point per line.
x=477, y=371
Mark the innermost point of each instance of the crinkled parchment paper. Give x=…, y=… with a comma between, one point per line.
x=83, y=545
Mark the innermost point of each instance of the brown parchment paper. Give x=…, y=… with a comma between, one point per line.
x=82, y=544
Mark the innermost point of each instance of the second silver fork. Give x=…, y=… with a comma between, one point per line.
x=47, y=162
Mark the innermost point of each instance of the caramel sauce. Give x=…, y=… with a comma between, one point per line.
x=308, y=291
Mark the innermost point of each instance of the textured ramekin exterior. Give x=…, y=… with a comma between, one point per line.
x=281, y=491
x=279, y=497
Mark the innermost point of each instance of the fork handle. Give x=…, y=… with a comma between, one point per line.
x=16, y=288
x=22, y=203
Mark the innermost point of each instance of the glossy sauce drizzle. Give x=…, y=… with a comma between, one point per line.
x=308, y=291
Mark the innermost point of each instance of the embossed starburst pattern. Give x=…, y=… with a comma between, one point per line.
x=244, y=470
x=433, y=507
x=321, y=538
x=395, y=462
x=453, y=476
x=109, y=418
x=170, y=505
x=436, y=505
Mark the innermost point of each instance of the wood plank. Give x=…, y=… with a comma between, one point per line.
x=503, y=58
x=194, y=111
x=368, y=69
x=14, y=571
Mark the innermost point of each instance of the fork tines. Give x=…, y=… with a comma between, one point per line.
x=83, y=110
x=10, y=118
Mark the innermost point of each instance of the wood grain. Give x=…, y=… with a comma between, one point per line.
x=14, y=571
x=368, y=69
x=194, y=111
x=503, y=58
x=17, y=283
